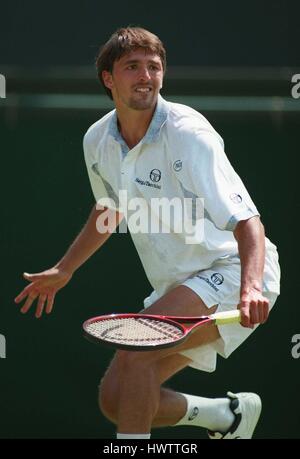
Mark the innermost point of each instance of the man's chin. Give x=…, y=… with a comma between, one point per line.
x=142, y=104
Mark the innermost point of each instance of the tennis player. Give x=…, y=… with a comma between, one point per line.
x=152, y=148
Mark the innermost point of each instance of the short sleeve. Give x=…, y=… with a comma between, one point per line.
x=209, y=175
x=101, y=189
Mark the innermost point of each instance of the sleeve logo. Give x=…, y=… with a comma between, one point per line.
x=236, y=198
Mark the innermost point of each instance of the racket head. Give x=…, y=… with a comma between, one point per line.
x=135, y=332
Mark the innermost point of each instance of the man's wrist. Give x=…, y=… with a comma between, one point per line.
x=247, y=286
x=64, y=266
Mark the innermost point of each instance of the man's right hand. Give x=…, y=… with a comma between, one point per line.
x=43, y=288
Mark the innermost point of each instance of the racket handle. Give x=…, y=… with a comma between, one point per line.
x=227, y=317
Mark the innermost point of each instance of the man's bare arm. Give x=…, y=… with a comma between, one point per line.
x=44, y=285
x=250, y=236
x=89, y=240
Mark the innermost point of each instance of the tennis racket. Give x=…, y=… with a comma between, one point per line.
x=144, y=332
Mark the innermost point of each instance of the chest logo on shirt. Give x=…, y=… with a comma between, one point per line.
x=177, y=165
x=236, y=198
x=155, y=175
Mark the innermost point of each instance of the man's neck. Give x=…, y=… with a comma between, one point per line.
x=133, y=125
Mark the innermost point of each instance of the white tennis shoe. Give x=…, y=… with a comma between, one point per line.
x=246, y=408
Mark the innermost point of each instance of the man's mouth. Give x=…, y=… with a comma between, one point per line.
x=143, y=90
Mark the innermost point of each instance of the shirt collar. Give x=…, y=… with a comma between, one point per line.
x=159, y=118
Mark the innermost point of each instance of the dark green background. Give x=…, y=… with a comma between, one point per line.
x=48, y=383
x=195, y=32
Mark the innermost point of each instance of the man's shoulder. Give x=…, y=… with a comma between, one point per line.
x=187, y=128
x=186, y=120
x=97, y=130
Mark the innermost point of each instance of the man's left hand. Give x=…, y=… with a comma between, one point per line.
x=254, y=308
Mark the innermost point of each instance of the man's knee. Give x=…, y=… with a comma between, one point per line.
x=122, y=365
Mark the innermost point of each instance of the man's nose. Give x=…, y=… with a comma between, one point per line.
x=144, y=74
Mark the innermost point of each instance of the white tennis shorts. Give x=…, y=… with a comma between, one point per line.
x=221, y=285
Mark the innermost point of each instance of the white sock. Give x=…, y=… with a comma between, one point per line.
x=212, y=413
x=133, y=435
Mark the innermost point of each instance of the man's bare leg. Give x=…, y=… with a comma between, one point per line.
x=172, y=404
x=174, y=407
x=138, y=375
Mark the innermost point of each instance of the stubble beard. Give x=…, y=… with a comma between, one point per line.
x=140, y=103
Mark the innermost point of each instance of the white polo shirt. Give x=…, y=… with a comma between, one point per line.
x=181, y=156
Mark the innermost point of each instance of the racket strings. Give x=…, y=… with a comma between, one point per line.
x=141, y=331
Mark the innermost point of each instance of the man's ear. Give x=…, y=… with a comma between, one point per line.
x=107, y=79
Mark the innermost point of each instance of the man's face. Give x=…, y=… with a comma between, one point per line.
x=136, y=80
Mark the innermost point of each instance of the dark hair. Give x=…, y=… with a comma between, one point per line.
x=123, y=41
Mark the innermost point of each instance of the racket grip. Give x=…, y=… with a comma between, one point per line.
x=227, y=317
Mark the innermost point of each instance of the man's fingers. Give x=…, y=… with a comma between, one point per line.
x=259, y=311
x=21, y=295
x=25, y=292
x=254, y=312
x=50, y=302
x=41, y=302
x=40, y=305
x=44, y=286
x=245, y=315
x=28, y=302
x=265, y=311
